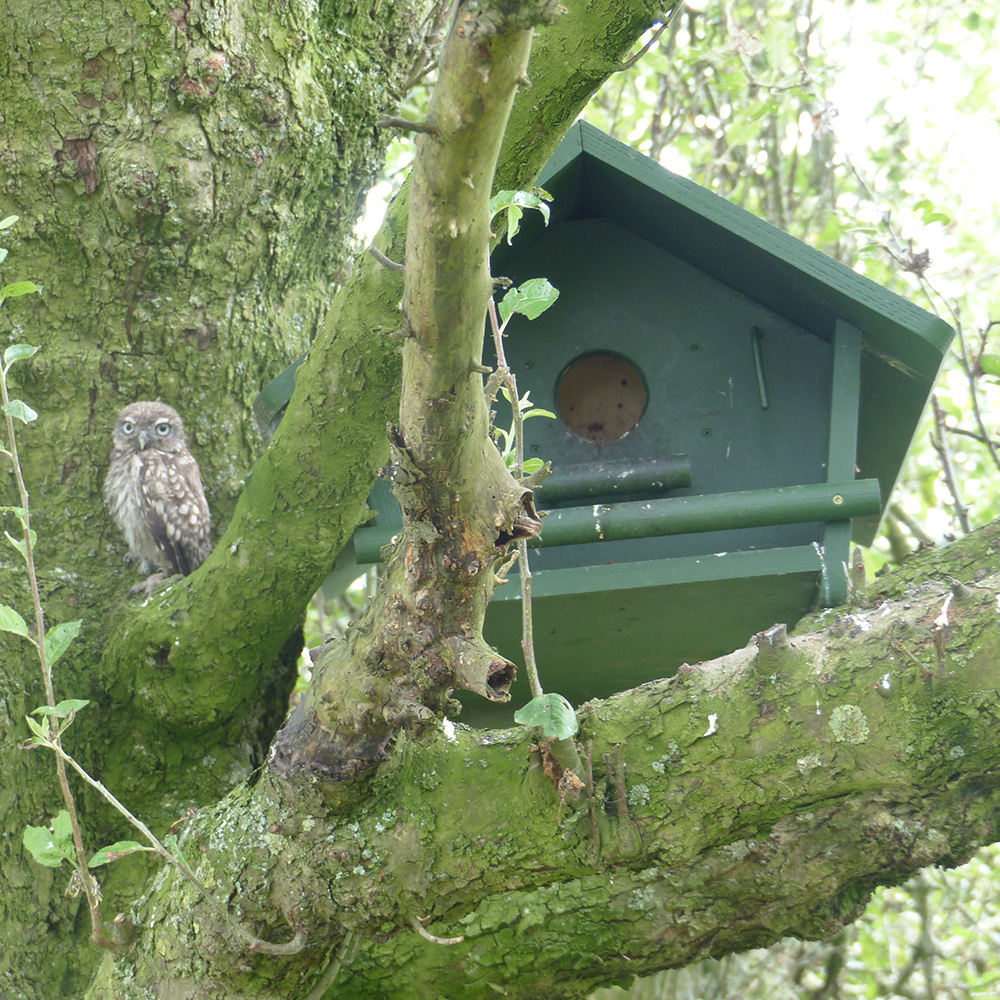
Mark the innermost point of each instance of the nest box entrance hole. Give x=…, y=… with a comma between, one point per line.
x=601, y=396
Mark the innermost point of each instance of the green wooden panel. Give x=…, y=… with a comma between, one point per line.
x=593, y=176
x=600, y=525
x=611, y=627
x=842, y=459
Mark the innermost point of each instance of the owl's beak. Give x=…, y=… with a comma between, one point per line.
x=143, y=439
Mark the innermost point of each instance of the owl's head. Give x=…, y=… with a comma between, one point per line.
x=146, y=424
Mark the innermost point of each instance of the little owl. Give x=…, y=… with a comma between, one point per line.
x=153, y=490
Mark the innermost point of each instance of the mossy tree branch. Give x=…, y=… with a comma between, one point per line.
x=306, y=494
x=759, y=795
x=423, y=635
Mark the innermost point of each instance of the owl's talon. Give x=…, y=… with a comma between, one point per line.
x=150, y=583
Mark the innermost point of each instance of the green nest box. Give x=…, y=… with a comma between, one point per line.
x=733, y=407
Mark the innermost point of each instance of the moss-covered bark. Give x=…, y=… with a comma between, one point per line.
x=756, y=796
x=186, y=177
x=186, y=180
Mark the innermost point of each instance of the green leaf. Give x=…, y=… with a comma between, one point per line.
x=62, y=826
x=63, y=709
x=532, y=465
x=990, y=364
x=538, y=412
x=40, y=729
x=551, y=713
x=11, y=621
x=3, y=254
x=19, y=410
x=18, y=543
x=119, y=849
x=57, y=640
x=514, y=203
x=12, y=291
x=530, y=299
x=170, y=843
x=16, y=352
x=45, y=846
x=8, y=222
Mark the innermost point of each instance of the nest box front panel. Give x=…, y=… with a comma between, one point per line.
x=645, y=356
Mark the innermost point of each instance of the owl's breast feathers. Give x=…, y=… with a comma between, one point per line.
x=176, y=514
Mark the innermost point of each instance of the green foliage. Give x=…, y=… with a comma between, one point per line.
x=526, y=409
x=11, y=621
x=513, y=204
x=57, y=640
x=530, y=299
x=19, y=410
x=65, y=709
x=552, y=714
x=51, y=846
x=119, y=849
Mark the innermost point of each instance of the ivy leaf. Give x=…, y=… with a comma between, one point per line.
x=530, y=299
x=11, y=621
x=551, y=713
x=19, y=410
x=16, y=352
x=57, y=640
x=119, y=849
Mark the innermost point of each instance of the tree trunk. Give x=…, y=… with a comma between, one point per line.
x=187, y=180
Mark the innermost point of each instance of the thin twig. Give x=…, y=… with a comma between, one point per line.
x=433, y=938
x=524, y=570
x=915, y=529
x=384, y=261
x=590, y=798
x=391, y=121
x=940, y=445
x=87, y=880
x=666, y=18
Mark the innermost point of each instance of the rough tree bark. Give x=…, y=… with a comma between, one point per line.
x=759, y=795
x=186, y=180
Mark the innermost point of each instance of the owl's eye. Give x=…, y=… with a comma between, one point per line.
x=127, y=427
x=163, y=428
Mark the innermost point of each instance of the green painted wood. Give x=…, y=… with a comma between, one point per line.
x=600, y=480
x=593, y=176
x=844, y=396
x=679, y=515
x=842, y=457
x=610, y=627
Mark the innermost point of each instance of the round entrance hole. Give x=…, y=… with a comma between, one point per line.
x=601, y=396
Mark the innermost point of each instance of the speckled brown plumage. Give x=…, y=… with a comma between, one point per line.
x=153, y=490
